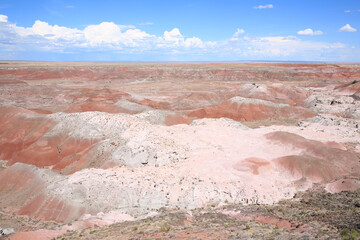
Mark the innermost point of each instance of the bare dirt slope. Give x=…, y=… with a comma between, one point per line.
x=84, y=144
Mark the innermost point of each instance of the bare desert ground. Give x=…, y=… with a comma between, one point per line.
x=179, y=150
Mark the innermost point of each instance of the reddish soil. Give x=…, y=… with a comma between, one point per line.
x=34, y=95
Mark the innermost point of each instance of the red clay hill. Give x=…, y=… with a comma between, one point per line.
x=98, y=143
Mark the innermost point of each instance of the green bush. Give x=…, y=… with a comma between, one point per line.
x=165, y=228
x=348, y=234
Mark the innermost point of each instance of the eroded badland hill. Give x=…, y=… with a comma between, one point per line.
x=179, y=150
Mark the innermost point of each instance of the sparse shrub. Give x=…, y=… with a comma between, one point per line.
x=135, y=229
x=206, y=223
x=348, y=234
x=165, y=228
x=354, y=82
x=247, y=227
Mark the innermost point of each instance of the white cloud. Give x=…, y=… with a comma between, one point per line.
x=146, y=23
x=109, y=33
x=105, y=32
x=110, y=39
x=106, y=35
x=277, y=39
x=173, y=36
x=264, y=6
x=310, y=32
x=347, y=28
x=70, y=6
x=282, y=48
x=3, y=18
x=55, y=32
x=135, y=34
x=134, y=37
x=238, y=32
x=193, y=42
x=349, y=11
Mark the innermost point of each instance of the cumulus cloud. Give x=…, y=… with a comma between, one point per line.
x=347, y=28
x=53, y=32
x=193, y=42
x=238, y=32
x=3, y=18
x=113, y=41
x=264, y=6
x=310, y=32
x=106, y=35
x=173, y=36
x=105, y=32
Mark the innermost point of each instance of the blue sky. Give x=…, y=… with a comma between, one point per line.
x=196, y=30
